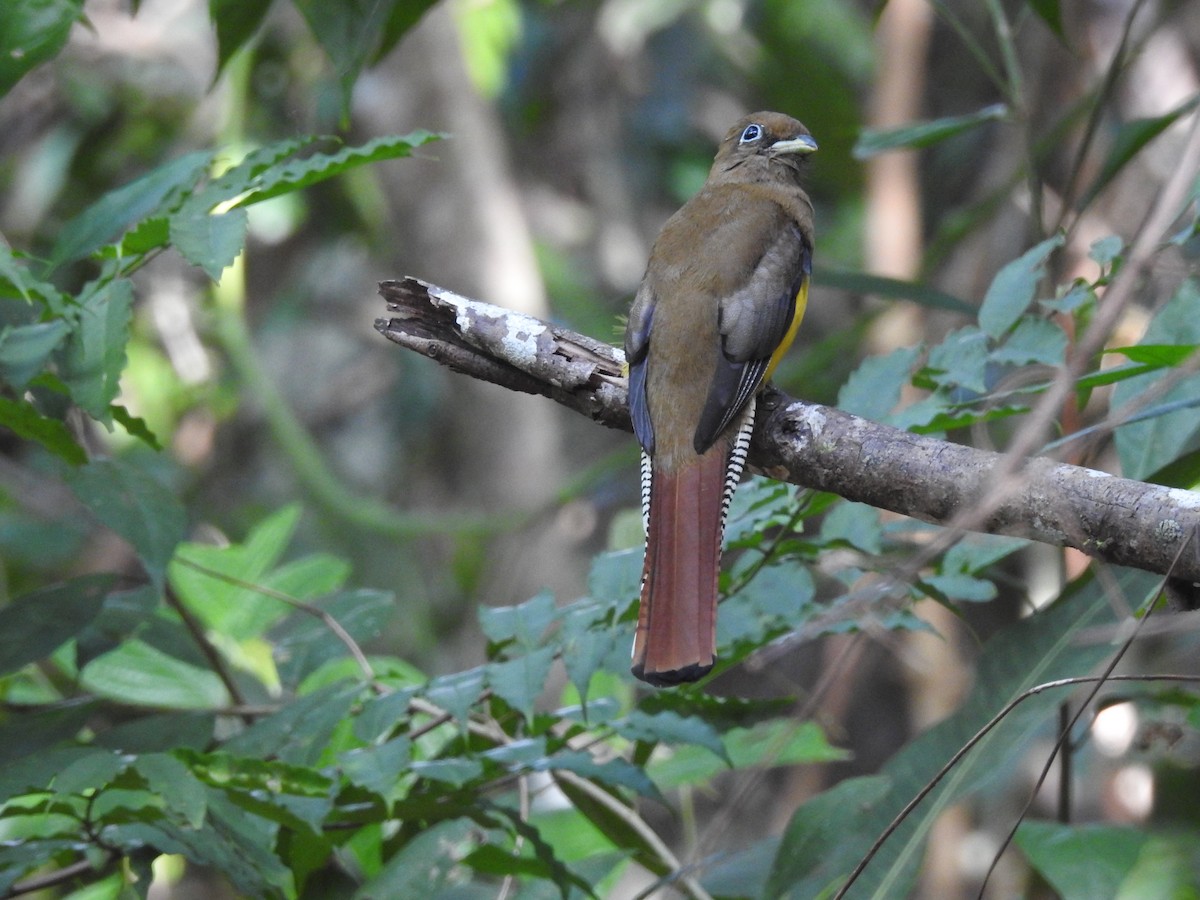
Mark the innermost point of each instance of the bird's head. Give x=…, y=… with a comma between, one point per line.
x=762, y=142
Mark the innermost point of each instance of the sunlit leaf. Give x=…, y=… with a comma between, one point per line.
x=137, y=674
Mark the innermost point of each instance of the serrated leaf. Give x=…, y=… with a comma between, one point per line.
x=456, y=693
x=1033, y=340
x=181, y=791
x=302, y=643
x=348, y=32
x=298, y=174
x=671, y=728
x=616, y=577
x=586, y=642
x=25, y=349
x=857, y=524
x=236, y=22
x=873, y=389
x=34, y=32
x=300, y=732
x=421, y=867
x=211, y=241
x=135, y=506
x=134, y=425
x=616, y=772
x=520, y=680
x=119, y=210
x=35, y=625
x=923, y=134
x=139, y=675
x=377, y=769
x=1012, y=290
x=22, y=419
x=525, y=623
x=961, y=359
x=454, y=772
x=1130, y=140
x=92, y=358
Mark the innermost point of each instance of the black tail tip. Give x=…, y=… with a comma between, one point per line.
x=671, y=677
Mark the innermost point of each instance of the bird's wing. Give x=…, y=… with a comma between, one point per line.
x=637, y=343
x=756, y=320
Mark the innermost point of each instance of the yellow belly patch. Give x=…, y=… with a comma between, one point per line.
x=793, y=327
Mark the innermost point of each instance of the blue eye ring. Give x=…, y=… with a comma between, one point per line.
x=751, y=133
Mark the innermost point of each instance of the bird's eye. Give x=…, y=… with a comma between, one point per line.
x=752, y=133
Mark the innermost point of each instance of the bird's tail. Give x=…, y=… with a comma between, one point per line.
x=676, y=631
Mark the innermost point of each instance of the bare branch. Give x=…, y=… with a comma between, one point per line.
x=1114, y=519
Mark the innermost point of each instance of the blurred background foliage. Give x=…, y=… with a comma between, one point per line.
x=953, y=137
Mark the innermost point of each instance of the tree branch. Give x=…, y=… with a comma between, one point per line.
x=1114, y=519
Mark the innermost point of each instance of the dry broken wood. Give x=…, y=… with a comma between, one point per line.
x=1113, y=519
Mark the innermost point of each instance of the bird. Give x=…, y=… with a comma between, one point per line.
x=719, y=304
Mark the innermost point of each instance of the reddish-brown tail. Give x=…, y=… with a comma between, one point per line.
x=677, y=623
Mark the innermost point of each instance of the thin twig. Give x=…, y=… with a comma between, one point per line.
x=326, y=619
x=196, y=629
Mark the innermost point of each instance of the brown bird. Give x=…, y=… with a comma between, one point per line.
x=720, y=303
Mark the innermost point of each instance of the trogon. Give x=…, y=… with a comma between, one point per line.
x=721, y=300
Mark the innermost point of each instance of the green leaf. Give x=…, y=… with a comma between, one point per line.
x=119, y=210
x=91, y=360
x=961, y=359
x=873, y=389
x=1158, y=355
x=34, y=32
x=181, y=791
x=587, y=641
x=671, y=728
x=91, y=772
x=923, y=134
x=891, y=288
x=1013, y=288
x=23, y=420
x=1082, y=862
x=300, y=732
x=454, y=772
x=423, y=865
x=1041, y=648
x=1150, y=444
x=1130, y=140
x=520, y=681
x=404, y=15
x=236, y=22
x=957, y=586
x=35, y=625
x=1050, y=12
x=302, y=643
x=1032, y=341
x=134, y=425
x=856, y=524
x=298, y=174
x=25, y=349
x=242, y=611
x=377, y=769
x=211, y=241
x=616, y=772
x=525, y=623
x=135, y=506
x=349, y=32
x=456, y=693
x=976, y=552
x=137, y=674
